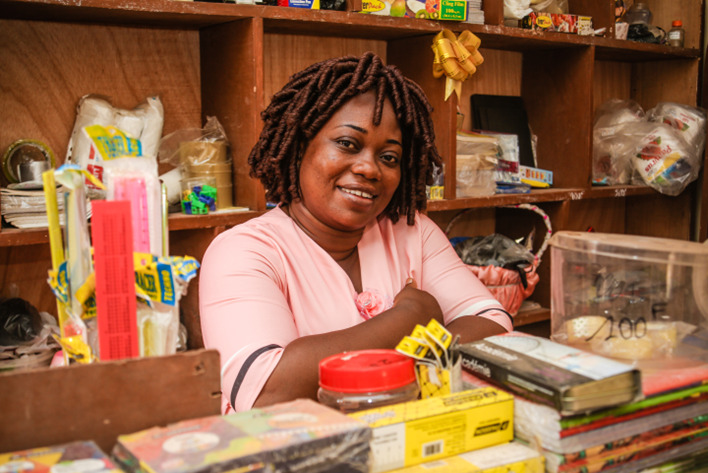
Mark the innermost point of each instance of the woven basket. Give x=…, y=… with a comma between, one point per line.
x=505, y=284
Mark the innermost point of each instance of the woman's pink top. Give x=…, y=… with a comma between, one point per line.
x=265, y=283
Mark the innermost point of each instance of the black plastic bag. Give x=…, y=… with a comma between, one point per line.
x=20, y=321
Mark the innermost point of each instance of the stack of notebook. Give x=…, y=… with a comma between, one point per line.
x=666, y=424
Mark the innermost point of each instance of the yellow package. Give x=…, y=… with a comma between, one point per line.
x=512, y=457
x=414, y=432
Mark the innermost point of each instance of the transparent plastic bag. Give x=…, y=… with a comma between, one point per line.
x=661, y=149
x=612, y=152
x=663, y=159
x=195, y=146
x=550, y=6
x=199, y=153
x=690, y=121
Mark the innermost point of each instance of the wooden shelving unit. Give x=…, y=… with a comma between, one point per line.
x=226, y=60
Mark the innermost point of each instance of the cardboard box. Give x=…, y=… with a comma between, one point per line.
x=513, y=457
x=558, y=22
x=309, y=4
x=301, y=435
x=70, y=457
x=414, y=432
x=438, y=10
x=535, y=176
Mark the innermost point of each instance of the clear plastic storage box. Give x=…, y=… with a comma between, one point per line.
x=630, y=297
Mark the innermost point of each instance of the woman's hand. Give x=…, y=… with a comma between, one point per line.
x=419, y=304
x=298, y=366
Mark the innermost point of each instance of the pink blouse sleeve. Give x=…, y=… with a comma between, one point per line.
x=458, y=291
x=244, y=314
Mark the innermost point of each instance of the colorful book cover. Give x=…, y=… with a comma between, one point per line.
x=81, y=456
x=628, y=448
x=301, y=432
x=570, y=380
x=630, y=454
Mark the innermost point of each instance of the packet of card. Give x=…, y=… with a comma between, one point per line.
x=293, y=436
x=79, y=456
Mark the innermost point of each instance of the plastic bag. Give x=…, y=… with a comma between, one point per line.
x=516, y=9
x=505, y=267
x=549, y=6
x=143, y=123
x=663, y=161
x=202, y=157
x=477, y=158
x=661, y=149
x=19, y=321
x=611, y=150
x=195, y=146
x=496, y=250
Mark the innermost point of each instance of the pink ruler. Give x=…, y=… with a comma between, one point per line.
x=133, y=189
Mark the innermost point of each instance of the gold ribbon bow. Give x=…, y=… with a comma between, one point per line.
x=456, y=58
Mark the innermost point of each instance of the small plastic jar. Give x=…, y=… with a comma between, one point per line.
x=365, y=379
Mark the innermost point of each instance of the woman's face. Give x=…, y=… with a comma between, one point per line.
x=351, y=168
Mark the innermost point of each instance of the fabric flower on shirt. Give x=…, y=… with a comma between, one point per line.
x=371, y=303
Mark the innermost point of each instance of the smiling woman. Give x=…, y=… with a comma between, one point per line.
x=346, y=149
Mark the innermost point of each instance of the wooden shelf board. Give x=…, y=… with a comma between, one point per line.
x=40, y=236
x=178, y=221
x=23, y=237
x=601, y=192
x=531, y=317
x=170, y=13
x=499, y=200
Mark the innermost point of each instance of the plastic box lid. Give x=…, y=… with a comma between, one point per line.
x=650, y=249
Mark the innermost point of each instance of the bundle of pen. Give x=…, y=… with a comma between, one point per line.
x=438, y=366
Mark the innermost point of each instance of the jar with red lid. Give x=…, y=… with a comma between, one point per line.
x=365, y=379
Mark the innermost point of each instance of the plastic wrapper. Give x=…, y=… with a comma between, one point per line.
x=158, y=329
x=195, y=146
x=199, y=153
x=663, y=161
x=504, y=266
x=297, y=436
x=135, y=180
x=690, y=121
x=477, y=158
x=19, y=321
x=143, y=123
x=661, y=149
x=75, y=456
x=611, y=150
x=516, y=9
x=549, y=6
x=26, y=336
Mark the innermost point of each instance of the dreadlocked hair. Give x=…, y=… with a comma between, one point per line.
x=301, y=108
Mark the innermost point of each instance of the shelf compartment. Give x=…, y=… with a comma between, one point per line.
x=197, y=15
x=501, y=200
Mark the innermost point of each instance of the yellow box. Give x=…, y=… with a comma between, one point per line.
x=414, y=432
x=512, y=457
